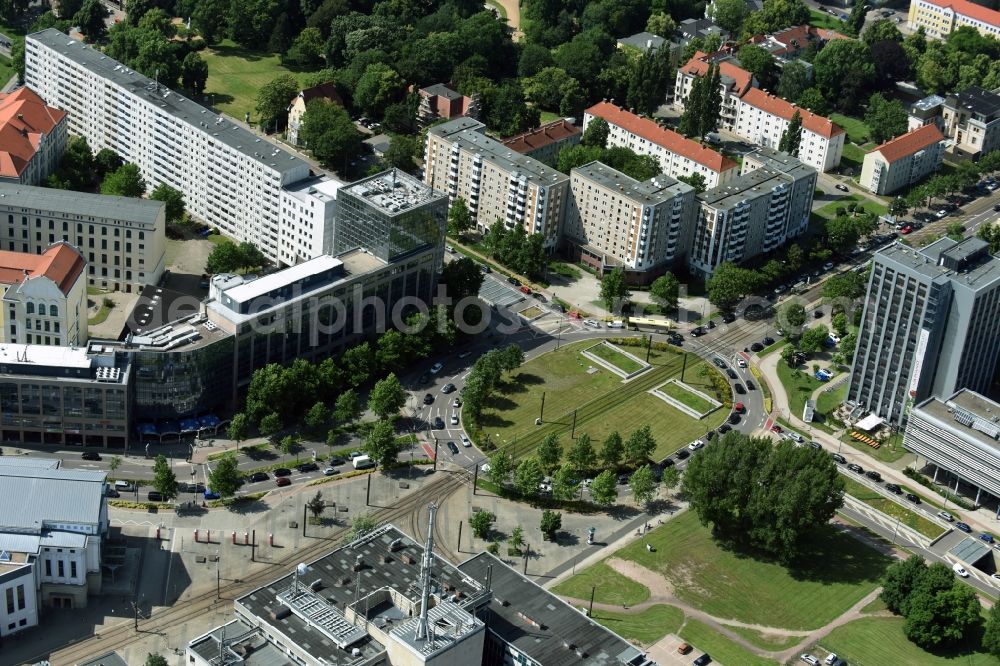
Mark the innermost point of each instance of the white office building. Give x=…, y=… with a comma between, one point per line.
x=230, y=177
x=307, y=211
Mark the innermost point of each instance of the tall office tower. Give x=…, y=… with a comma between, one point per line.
x=930, y=326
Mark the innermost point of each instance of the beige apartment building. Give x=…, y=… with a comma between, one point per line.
x=903, y=161
x=613, y=220
x=971, y=120
x=939, y=18
x=496, y=182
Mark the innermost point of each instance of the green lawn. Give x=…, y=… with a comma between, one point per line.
x=857, y=131
x=828, y=401
x=824, y=20
x=830, y=209
x=530, y=312
x=101, y=316
x=890, y=508
x=615, y=358
x=880, y=640
x=852, y=156
x=6, y=70
x=602, y=402
x=646, y=627
x=834, y=573
x=565, y=270
x=236, y=74
x=686, y=397
x=722, y=649
x=799, y=385
x=610, y=587
x=890, y=451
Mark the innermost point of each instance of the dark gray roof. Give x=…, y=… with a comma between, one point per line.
x=441, y=90
x=554, y=623
x=748, y=185
x=219, y=126
x=651, y=192
x=63, y=495
x=977, y=100
x=82, y=204
x=977, y=270
x=642, y=40
x=109, y=659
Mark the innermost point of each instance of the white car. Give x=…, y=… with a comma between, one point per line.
x=454, y=418
x=456, y=403
x=828, y=265
x=945, y=516
x=741, y=362
x=593, y=323
x=436, y=368
x=960, y=570
x=696, y=444
x=329, y=471
x=485, y=468
x=830, y=659
x=465, y=440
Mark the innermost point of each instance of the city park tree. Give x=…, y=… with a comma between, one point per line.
x=612, y=451
x=272, y=101
x=614, y=290
x=239, y=428
x=792, y=135
x=387, y=397
x=550, y=523
x=604, y=488
x=643, y=484
x=459, y=218
x=756, y=496
x=666, y=291
x=381, y=445
x=564, y=482
x=328, y=131
x=481, y=523
x=639, y=446
x=194, y=73
x=347, y=408
x=501, y=466
x=581, y=455
x=527, y=477
x=549, y=452
x=596, y=134
x=172, y=198
x=164, y=480
x=730, y=284
x=225, y=477
x=125, y=181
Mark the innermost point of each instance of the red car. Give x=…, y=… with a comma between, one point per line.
x=777, y=428
x=525, y=289
x=283, y=481
x=738, y=407
x=574, y=315
x=906, y=230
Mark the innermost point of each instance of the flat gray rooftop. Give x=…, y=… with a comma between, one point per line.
x=777, y=160
x=393, y=192
x=651, y=192
x=219, y=126
x=928, y=103
x=541, y=625
x=81, y=204
x=970, y=550
x=467, y=133
x=924, y=261
x=748, y=185
x=968, y=414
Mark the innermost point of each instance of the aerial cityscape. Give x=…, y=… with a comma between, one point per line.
x=499, y=332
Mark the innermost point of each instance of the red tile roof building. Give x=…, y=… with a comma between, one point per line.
x=47, y=294
x=32, y=137
x=789, y=43
x=297, y=107
x=903, y=161
x=939, y=18
x=678, y=156
x=545, y=142
x=762, y=119
x=734, y=82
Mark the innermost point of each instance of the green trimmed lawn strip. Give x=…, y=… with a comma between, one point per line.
x=886, y=453
x=602, y=403
x=610, y=586
x=834, y=572
x=880, y=640
x=721, y=648
x=687, y=398
x=882, y=503
x=235, y=74
x=646, y=627
x=829, y=211
x=828, y=401
x=856, y=128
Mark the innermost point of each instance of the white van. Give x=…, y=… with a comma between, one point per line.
x=123, y=486
x=363, y=462
x=617, y=323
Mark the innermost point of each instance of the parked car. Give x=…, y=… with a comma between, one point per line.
x=777, y=428
x=809, y=659
x=837, y=458
x=945, y=516
x=893, y=488
x=436, y=368
x=742, y=362
x=684, y=648
x=856, y=468
x=454, y=418
x=768, y=340
x=514, y=281
x=336, y=460
x=724, y=428
x=257, y=477
x=282, y=471
x=154, y=496
x=731, y=373
x=830, y=659
x=283, y=481
x=696, y=444
x=697, y=332
x=465, y=354
x=729, y=317
x=330, y=471
x=307, y=467
x=756, y=347
x=739, y=388
x=448, y=388
x=525, y=289
x=964, y=527
x=842, y=187
x=682, y=454
x=212, y=495
x=91, y=455
x=457, y=402
x=959, y=570
x=703, y=660
x=593, y=323
x=428, y=398
x=734, y=418
x=987, y=537
x=466, y=442
x=739, y=407
x=913, y=498
x=874, y=476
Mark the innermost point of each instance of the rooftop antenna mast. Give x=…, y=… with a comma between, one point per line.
x=425, y=575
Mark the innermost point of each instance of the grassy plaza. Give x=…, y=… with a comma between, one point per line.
x=235, y=74
x=880, y=640
x=601, y=401
x=728, y=585
x=616, y=358
x=681, y=394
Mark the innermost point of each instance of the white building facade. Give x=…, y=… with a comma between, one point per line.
x=903, y=161
x=679, y=157
x=230, y=177
x=762, y=119
x=307, y=211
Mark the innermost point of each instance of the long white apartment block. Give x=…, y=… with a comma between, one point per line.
x=679, y=157
x=230, y=177
x=496, y=182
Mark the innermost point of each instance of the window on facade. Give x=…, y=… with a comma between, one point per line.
x=29, y=307
x=72, y=569
x=10, y=600
x=20, y=597
x=60, y=565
